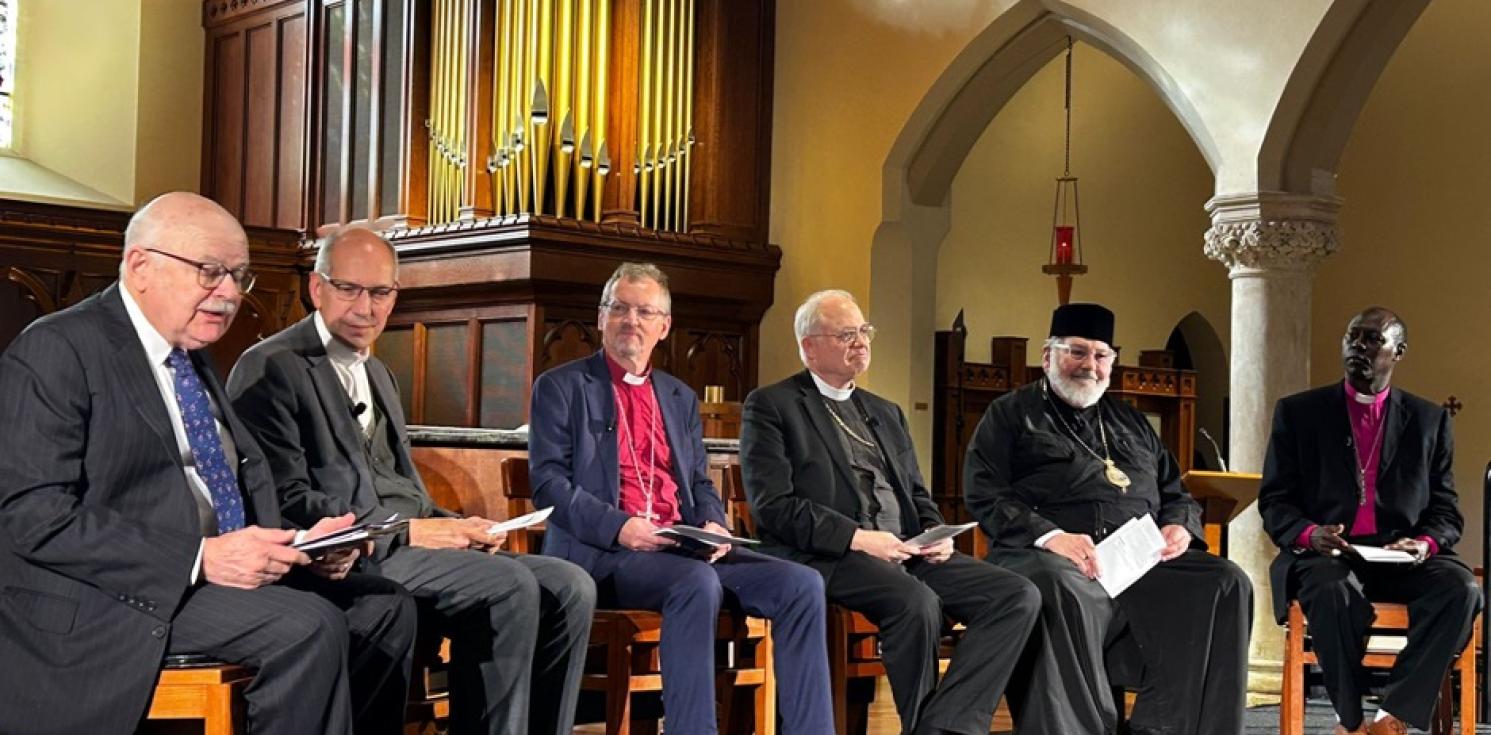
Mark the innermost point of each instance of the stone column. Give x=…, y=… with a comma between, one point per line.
x=1270, y=243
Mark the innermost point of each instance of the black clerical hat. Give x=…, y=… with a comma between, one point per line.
x=1088, y=321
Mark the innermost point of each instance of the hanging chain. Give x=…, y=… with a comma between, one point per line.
x=1068, y=167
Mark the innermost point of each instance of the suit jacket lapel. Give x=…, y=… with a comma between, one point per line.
x=1337, y=416
x=668, y=405
x=386, y=396
x=600, y=406
x=1392, y=434
x=335, y=406
x=812, y=405
x=138, y=376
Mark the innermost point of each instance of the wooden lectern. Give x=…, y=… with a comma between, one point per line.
x=1222, y=496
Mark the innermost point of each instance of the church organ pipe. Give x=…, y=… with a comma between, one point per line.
x=545, y=144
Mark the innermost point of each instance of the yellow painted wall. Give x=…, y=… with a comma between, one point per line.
x=1143, y=184
x=1416, y=178
x=168, y=152
x=846, y=79
x=109, y=96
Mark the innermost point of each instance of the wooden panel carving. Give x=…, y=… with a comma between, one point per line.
x=52, y=257
x=712, y=358
x=568, y=339
x=254, y=117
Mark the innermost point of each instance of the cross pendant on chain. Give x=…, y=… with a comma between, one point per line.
x=650, y=514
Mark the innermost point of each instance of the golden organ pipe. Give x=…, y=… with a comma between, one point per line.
x=522, y=88
x=598, y=109
x=563, y=91
x=585, y=160
x=644, y=107
x=543, y=120
x=687, y=149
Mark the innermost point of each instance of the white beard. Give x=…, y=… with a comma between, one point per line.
x=1078, y=393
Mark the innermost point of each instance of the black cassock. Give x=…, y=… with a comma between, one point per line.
x=1179, y=635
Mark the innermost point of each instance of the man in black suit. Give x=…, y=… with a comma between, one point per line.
x=1360, y=462
x=138, y=516
x=328, y=415
x=1053, y=468
x=833, y=483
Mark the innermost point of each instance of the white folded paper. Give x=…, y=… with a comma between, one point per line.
x=938, y=533
x=523, y=521
x=1128, y=554
x=1378, y=554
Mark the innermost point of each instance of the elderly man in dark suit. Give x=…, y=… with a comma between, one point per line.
x=616, y=449
x=327, y=413
x=138, y=516
x=833, y=482
x=1361, y=462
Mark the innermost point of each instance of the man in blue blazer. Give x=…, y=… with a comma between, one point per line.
x=617, y=450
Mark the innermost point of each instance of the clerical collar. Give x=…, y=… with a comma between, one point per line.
x=1367, y=399
x=621, y=374
x=830, y=392
x=340, y=352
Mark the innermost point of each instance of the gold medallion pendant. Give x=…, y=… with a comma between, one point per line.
x=1116, y=476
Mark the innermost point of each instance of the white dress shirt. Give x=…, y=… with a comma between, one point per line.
x=157, y=349
x=351, y=367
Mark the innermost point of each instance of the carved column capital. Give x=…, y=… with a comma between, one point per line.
x=1268, y=231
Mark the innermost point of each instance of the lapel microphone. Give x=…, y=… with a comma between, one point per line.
x=358, y=409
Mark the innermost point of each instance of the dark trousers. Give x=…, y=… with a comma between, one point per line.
x=518, y=626
x=332, y=657
x=689, y=592
x=1334, y=593
x=1180, y=634
x=908, y=603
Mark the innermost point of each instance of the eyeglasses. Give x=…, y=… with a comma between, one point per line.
x=349, y=291
x=1081, y=353
x=865, y=332
x=618, y=310
x=209, y=275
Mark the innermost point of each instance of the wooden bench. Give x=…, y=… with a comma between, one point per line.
x=212, y=694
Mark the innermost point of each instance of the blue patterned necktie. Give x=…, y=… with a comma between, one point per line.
x=206, y=445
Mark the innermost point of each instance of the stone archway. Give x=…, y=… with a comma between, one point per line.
x=929, y=151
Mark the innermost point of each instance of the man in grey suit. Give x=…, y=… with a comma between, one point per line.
x=138, y=517
x=327, y=413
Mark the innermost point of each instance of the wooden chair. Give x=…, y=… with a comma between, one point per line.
x=212, y=694
x=854, y=661
x=624, y=649
x=1391, y=619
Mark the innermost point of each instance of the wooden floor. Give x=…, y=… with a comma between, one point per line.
x=883, y=720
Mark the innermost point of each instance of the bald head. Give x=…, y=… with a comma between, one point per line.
x=355, y=284
x=171, y=248
x=177, y=216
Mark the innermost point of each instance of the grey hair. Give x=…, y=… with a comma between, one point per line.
x=325, y=245
x=141, y=230
x=632, y=272
x=807, y=314
x=1052, y=342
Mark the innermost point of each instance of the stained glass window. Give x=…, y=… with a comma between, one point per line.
x=7, y=69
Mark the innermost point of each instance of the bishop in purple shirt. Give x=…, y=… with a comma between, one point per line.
x=1361, y=463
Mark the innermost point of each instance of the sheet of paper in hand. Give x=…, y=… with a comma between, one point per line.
x=522, y=521
x=350, y=536
x=1128, y=554
x=1379, y=554
x=684, y=533
x=938, y=533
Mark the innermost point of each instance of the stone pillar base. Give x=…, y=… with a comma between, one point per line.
x=1265, y=681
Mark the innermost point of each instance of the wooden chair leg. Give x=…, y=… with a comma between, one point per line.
x=219, y=719
x=1467, y=666
x=766, y=694
x=1292, y=704
x=838, y=667
x=618, y=687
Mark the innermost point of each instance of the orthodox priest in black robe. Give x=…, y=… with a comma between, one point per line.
x=1055, y=467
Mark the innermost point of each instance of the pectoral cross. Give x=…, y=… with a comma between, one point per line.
x=650, y=514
